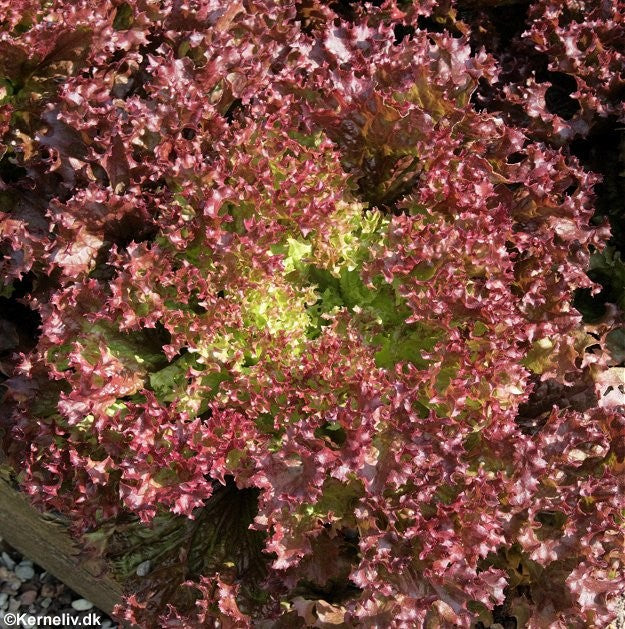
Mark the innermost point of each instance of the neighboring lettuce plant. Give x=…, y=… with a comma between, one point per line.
x=302, y=280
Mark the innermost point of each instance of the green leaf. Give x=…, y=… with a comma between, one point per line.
x=6, y=91
x=388, y=307
x=406, y=346
x=615, y=342
x=445, y=375
x=338, y=498
x=479, y=329
x=424, y=271
x=135, y=349
x=382, y=301
x=538, y=359
x=608, y=268
x=167, y=381
x=124, y=17
x=353, y=290
x=6, y=290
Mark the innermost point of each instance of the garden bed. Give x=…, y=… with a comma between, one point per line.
x=45, y=540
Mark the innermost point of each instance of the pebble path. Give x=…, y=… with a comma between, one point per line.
x=26, y=588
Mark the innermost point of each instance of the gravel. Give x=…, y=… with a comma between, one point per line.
x=26, y=588
x=619, y=623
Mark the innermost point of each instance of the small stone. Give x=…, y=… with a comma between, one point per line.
x=143, y=568
x=10, y=584
x=45, y=603
x=7, y=561
x=106, y=624
x=46, y=577
x=14, y=605
x=25, y=572
x=82, y=604
x=4, y=598
x=28, y=597
x=47, y=590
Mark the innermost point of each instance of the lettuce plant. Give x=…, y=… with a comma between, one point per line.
x=307, y=353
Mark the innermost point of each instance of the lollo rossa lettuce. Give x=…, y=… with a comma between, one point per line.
x=292, y=328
